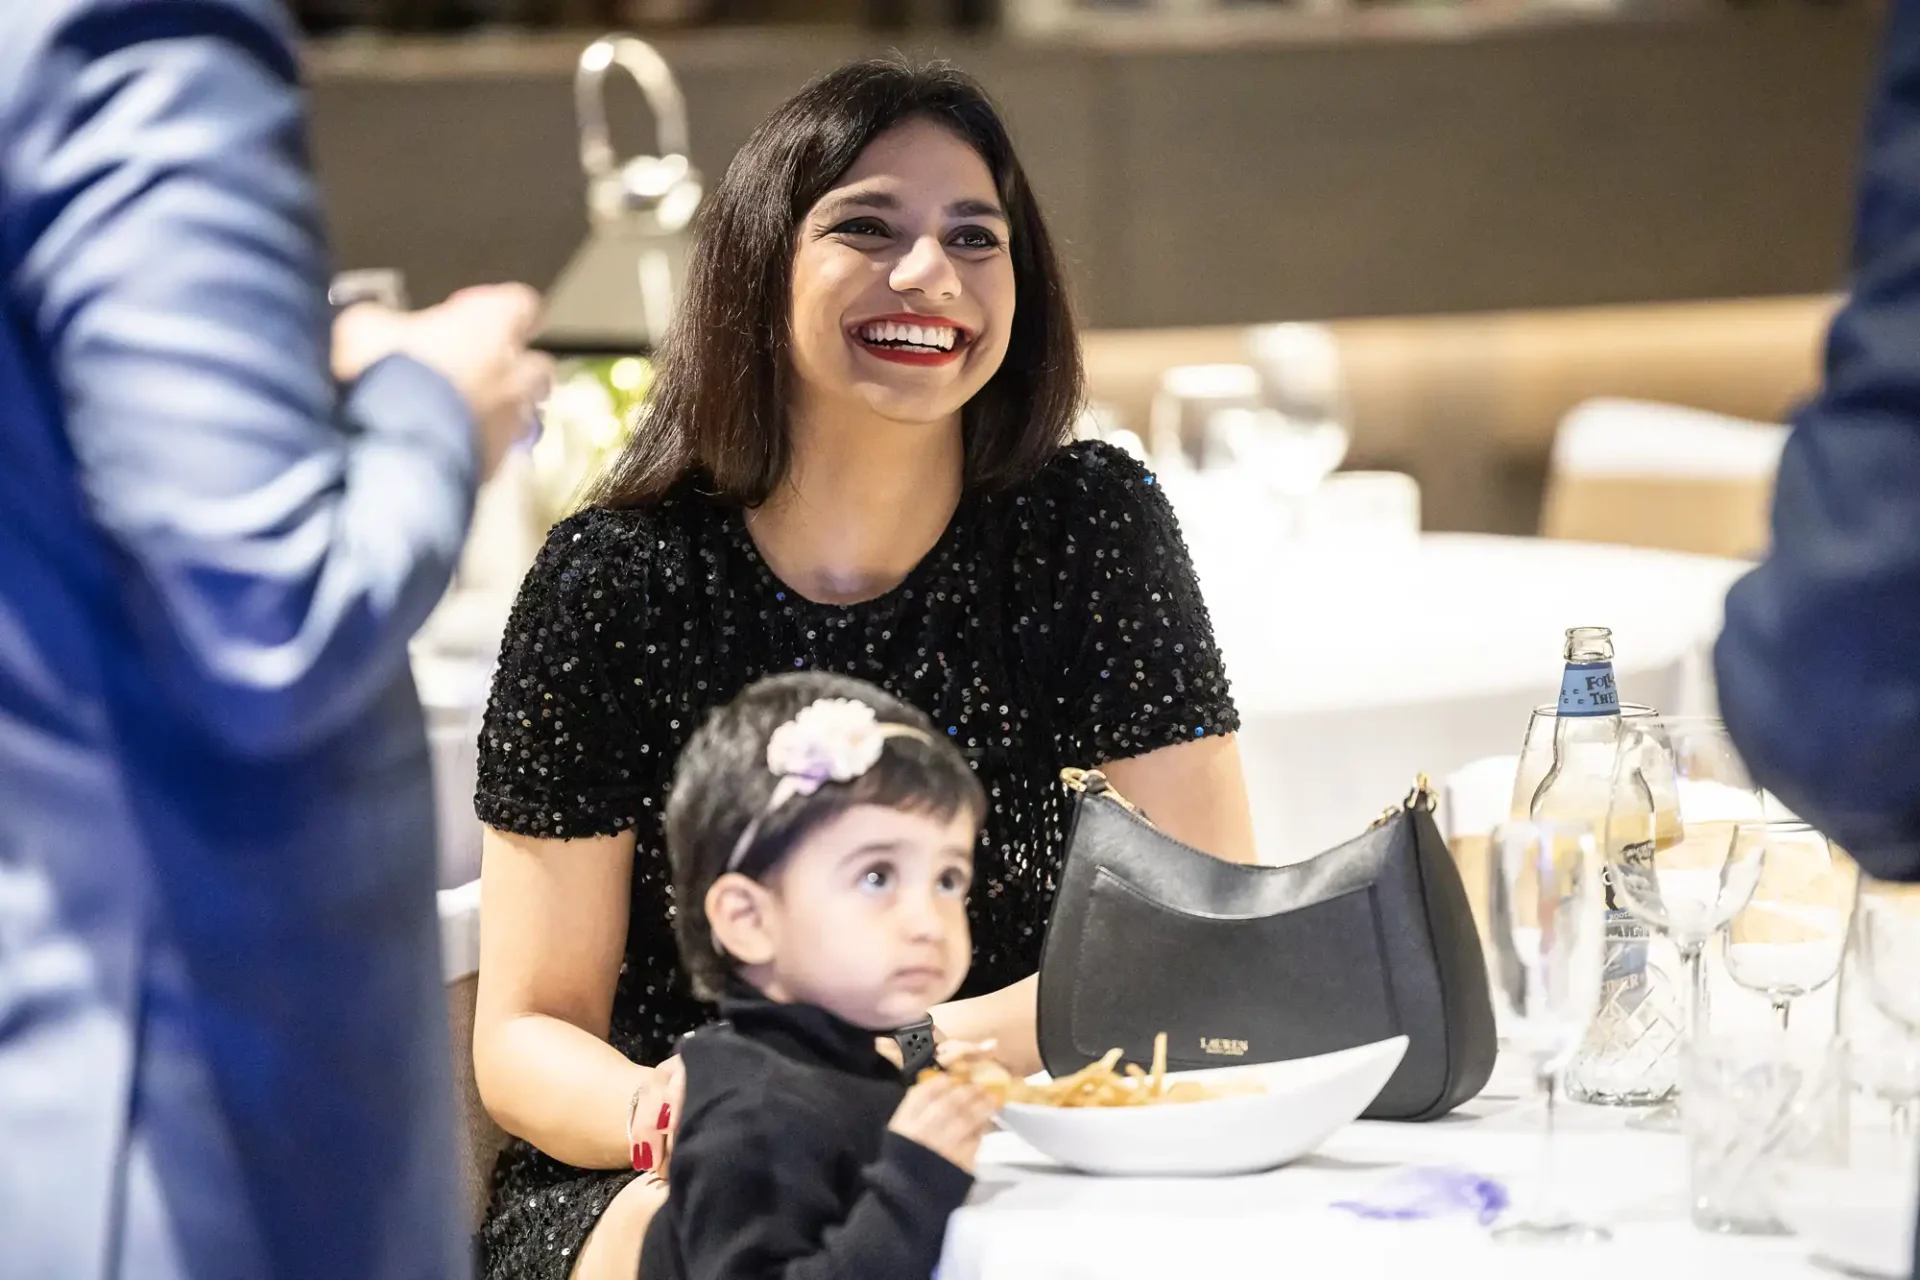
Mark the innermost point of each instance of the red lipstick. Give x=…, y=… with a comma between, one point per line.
x=912, y=355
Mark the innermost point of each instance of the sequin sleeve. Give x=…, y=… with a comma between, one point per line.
x=1141, y=668
x=558, y=746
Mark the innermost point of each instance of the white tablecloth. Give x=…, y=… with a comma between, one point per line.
x=1030, y=1220
x=1356, y=668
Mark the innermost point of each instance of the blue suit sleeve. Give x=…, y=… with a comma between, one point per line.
x=1819, y=665
x=279, y=540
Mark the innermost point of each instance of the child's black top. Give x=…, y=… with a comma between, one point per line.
x=783, y=1166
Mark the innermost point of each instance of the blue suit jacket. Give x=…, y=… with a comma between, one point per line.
x=1819, y=665
x=222, y=1036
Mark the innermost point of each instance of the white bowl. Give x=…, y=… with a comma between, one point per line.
x=1305, y=1102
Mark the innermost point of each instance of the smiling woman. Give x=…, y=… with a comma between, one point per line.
x=854, y=461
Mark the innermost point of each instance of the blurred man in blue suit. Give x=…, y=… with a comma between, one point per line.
x=1819, y=666
x=222, y=513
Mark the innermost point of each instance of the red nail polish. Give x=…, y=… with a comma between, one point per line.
x=666, y=1117
x=643, y=1158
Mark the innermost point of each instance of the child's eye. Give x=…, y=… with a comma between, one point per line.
x=956, y=882
x=877, y=878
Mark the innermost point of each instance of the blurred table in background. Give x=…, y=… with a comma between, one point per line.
x=1356, y=667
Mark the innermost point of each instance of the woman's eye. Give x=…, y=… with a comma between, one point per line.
x=861, y=227
x=976, y=238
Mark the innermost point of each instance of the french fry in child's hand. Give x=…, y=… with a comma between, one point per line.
x=954, y=1051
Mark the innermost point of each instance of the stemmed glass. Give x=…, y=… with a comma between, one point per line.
x=1885, y=944
x=1789, y=938
x=1679, y=793
x=1544, y=907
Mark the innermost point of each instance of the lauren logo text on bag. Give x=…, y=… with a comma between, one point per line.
x=1221, y=1048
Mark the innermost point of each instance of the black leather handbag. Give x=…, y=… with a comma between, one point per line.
x=1244, y=964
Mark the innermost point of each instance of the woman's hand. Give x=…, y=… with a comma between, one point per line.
x=946, y=1117
x=1007, y=1019
x=553, y=930
x=670, y=1085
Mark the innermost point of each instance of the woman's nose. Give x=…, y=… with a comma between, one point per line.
x=925, y=268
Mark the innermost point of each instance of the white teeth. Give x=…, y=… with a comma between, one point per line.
x=932, y=337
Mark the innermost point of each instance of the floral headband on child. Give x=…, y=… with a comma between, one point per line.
x=831, y=740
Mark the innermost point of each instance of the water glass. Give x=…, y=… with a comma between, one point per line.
x=1179, y=420
x=1754, y=1107
x=1886, y=939
x=1679, y=793
x=1628, y=1057
x=1544, y=906
x=1789, y=939
x=1536, y=758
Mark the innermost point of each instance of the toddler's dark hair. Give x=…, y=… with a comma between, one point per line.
x=722, y=783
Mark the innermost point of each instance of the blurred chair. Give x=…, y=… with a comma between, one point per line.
x=1658, y=475
x=479, y=1137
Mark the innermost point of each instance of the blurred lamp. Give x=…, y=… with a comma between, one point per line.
x=617, y=294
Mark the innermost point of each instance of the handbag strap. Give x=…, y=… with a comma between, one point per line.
x=1421, y=797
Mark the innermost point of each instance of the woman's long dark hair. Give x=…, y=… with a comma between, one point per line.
x=719, y=399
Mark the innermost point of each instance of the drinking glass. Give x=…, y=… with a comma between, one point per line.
x=1679, y=793
x=1536, y=758
x=1886, y=931
x=1628, y=1059
x=1758, y=1105
x=1790, y=937
x=1544, y=906
x=1307, y=413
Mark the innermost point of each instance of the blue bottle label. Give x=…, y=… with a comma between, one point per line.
x=1626, y=951
x=1586, y=689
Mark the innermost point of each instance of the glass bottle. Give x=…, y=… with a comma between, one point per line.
x=1630, y=1054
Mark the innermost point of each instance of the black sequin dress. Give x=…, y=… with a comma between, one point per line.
x=1055, y=624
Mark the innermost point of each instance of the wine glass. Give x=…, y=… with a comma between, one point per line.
x=1679, y=793
x=1536, y=758
x=1886, y=925
x=1790, y=937
x=1885, y=962
x=1544, y=907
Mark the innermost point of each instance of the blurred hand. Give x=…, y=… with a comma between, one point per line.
x=952, y=1053
x=946, y=1117
x=476, y=340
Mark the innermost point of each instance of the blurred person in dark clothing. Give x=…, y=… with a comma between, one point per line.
x=222, y=512
x=1819, y=665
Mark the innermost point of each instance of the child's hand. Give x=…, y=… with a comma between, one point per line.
x=946, y=1117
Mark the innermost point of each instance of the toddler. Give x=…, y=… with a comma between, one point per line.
x=822, y=837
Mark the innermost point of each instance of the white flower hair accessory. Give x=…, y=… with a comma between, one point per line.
x=831, y=740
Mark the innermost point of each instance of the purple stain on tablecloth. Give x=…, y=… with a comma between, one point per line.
x=1419, y=1194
